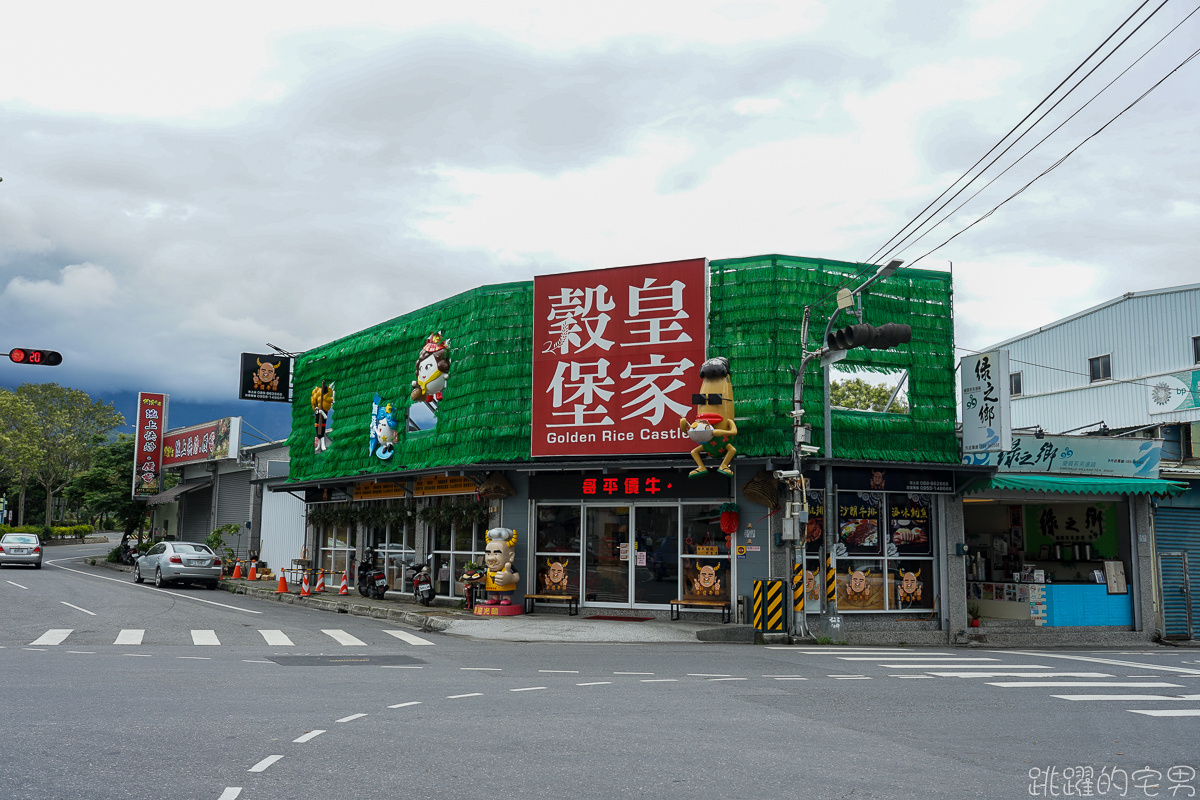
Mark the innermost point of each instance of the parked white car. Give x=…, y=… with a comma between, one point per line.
x=182, y=562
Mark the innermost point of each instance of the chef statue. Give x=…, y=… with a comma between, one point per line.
x=499, y=554
x=714, y=427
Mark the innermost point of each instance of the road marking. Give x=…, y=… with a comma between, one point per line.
x=193, y=658
x=400, y=666
x=205, y=637
x=406, y=705
x=660, y=680
x=405, y=636
x=915, y=677
x=1044, y=684
x=460, y=696
x=149, y=588
x=963, y=666
x=19, y=586
x=52, y=636
x=560, y=671
x=277, y=638
x=1183, y=712
x=718, y=680
x=308, y=737
x=83, y=652
x=344, y=638
x=789, y=678
x=37, y=649
x=596, y=683
x=350, y=718
x=230, y=793
x=130, y=636
x=834, y=651
x=137, y=655
x=266, y=762
x=256, y=661
x=706, y=675
x=633, y=673
x=528, y=689
x=77, y=608
x=850, y=677
x=914, y=658
x=482, y=669
x=1021, y=674
x=1127, y=697
x=1112, y=662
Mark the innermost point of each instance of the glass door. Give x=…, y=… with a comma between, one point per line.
x=656, y=555
x=608, y=555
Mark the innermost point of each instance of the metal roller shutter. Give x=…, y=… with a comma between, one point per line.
x=194, y=525
x=233, y=498
x=1177, y=540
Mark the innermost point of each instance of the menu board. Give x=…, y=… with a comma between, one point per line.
x=858, y=522
x=908, y=524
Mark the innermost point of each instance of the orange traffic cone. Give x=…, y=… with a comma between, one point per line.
x=345, y=585
x=253, y=576
x=320, y=580
x=237, y=571
x=304, y=586
x=282, y=584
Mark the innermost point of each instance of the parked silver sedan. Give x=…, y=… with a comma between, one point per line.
x=21, y=548
x=179, y=561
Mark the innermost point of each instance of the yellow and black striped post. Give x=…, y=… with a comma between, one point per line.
x=798, y=588
x=769, y=605
x=830, y=580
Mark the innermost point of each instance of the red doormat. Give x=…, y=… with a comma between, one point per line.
x=622, y=619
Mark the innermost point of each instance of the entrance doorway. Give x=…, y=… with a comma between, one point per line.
x=631, y=555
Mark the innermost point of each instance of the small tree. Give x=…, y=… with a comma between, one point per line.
x=19, y=451
x=857, y=393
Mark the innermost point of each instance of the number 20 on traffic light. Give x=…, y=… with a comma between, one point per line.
x=26, y=355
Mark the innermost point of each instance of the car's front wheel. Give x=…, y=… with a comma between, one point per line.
x=158, y=578
x=137, y=574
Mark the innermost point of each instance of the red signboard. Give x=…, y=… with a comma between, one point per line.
x=616, y=357
x=148, y=443
x=207, y=442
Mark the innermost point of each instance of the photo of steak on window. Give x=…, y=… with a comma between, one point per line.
x=858, y=523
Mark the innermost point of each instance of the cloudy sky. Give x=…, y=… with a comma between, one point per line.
x=182, y=183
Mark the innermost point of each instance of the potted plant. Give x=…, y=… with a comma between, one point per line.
x=973, y=613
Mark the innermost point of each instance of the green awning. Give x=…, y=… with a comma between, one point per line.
x=1077, y=484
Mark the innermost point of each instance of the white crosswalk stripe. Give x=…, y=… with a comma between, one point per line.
x=405, y=636
x=1167, y=712
x=277, y=638
x=1135, y=698
x=130, y=636
x=343, y=638
x=52, y=636
x=205, y=637
x=1044, y=684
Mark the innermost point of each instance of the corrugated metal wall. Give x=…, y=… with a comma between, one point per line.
x=282, y=529
x=1144, y=336
x=195, y=524
x=1177, y=530
x=233, y=497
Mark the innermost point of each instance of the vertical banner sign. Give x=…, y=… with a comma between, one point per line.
x=615, y=358
x=148, y=443
x=987, y=422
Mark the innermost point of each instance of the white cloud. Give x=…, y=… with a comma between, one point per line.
x=82, y=287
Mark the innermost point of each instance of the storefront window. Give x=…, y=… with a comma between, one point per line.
x=705, y=572
x=455, y=542
x=557, y=551
x=337, y=550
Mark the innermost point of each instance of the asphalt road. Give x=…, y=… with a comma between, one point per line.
x=112, y=690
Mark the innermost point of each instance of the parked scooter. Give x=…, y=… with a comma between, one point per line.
x=422, y=582
x=372, y=581
x=129, y=553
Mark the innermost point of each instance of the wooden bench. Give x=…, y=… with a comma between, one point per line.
x=685, y=603
x=571, y=600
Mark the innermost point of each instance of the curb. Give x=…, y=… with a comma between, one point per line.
x=421, y=621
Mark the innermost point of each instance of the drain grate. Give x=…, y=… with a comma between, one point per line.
x=345, y=661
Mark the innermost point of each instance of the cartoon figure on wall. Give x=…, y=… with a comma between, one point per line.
x=433, y=367
x=714, y=428
x=265, y=377
x=858, y=591
x=499, y=554
x=321, y=401
x=384, y=432
x=555, y=578
x=705, y=583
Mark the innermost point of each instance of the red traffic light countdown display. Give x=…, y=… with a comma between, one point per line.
x=27, y=355
x=884, y=337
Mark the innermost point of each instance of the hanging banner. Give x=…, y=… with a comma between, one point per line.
x=615, y=358
x=1077, y=455
x=1179, y=391
x=148, y=443
x=987, y=422
x=265, y=376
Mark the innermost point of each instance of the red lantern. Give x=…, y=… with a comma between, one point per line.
x=729, y=518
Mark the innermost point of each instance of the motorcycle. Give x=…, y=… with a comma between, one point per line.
x=129, y=554
x=372, y=581
x=422, y=583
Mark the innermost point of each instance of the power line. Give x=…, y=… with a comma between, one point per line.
x=959, y=207
x=1011, y=360
x=877, y=254
x=1056, y=164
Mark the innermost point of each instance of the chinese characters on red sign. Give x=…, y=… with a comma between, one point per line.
x=614, y=358
x=207, y=442
x=151, y=425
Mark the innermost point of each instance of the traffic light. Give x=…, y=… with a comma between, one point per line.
x=884, y=337
x=25, y=355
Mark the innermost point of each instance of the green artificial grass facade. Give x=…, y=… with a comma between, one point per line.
x=756, y=306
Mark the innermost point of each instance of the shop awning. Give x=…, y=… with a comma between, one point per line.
x=1077, y=484
x=170, y=494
